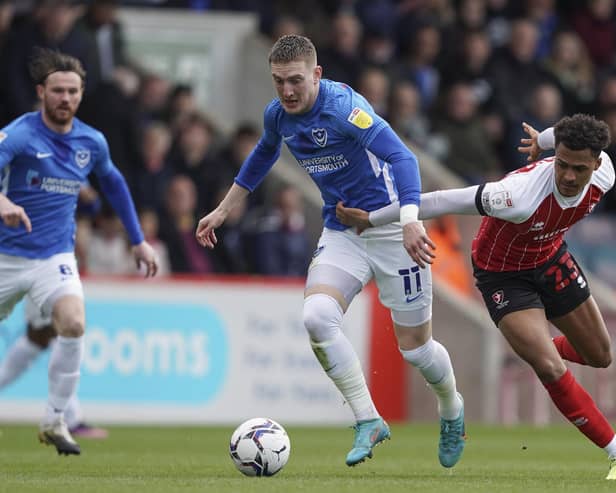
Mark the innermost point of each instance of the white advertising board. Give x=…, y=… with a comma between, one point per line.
x=194, y=352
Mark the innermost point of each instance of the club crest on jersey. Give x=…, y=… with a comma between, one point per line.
x=2, y=136
x=498, y=297
x=360, y=118
x=320, y=136
x=82, y=158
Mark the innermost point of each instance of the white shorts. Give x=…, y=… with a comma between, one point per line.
x=379, y=253
x=34, y=315
x=44, y=280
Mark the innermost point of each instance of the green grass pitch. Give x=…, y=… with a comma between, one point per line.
x=195, y=459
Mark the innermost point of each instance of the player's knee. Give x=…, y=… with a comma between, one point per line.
x=548, y=369
x=421, y=355
x=601, y=359
x=71, y=327
x=42, y=336
x=322, y=317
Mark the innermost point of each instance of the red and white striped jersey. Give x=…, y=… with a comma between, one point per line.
x=528, y=217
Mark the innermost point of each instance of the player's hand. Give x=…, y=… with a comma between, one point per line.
x=12, y=214
x=350, y=216
x=418, y=244
x=205, y=229
x=530, y=146
x=145, y=254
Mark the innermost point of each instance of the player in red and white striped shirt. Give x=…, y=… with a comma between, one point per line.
x=522, y=266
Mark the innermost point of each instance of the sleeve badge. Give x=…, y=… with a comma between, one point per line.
x=501, y=200
x=360, y=118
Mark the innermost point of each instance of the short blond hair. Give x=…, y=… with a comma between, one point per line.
x=291, y=48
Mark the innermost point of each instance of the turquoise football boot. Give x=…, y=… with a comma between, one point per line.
x=452, y=440
x=368, y=434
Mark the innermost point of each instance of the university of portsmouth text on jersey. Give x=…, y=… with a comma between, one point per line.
x=321, y=164
x=60, y=185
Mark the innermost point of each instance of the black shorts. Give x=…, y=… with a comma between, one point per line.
x=558, y=286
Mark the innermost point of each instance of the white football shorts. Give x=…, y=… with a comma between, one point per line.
x=44, y=280
x=34, y=315
x=379, y=253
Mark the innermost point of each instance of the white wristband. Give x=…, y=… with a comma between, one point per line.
x=545, y=140
x=409, y=213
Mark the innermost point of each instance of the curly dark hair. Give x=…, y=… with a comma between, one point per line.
x=291, y=48
x=45, y=61
x=580, y=131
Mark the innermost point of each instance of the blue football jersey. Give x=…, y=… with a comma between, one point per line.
x=42, y=171
x=331, y=142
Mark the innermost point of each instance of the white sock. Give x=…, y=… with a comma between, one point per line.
x=610, y=448
x=64, y=365
x=432, y=360
x=339, y=360
x=73, y=415
x=17, y=359
x=323, y=321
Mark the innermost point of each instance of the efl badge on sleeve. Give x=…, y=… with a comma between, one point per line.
x=82, y=158
x=360, y=118
x=501, y=200
x=2, y=136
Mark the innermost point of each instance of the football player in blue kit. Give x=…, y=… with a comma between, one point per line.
x=45, y=157
x=353, y=156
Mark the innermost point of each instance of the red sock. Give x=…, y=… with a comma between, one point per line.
x=567, y=351
x=578, y=407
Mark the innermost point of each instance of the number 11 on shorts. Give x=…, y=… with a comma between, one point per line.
x=412, y=282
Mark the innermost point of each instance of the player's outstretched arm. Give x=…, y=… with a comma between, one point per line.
x=433, y=204
x=145, y=254
x=205, y=233
x=12, y=214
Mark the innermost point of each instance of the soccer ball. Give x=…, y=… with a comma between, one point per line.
x=259, y=447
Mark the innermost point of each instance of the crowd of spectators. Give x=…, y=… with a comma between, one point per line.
x=454, y=77
x=176, y=162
